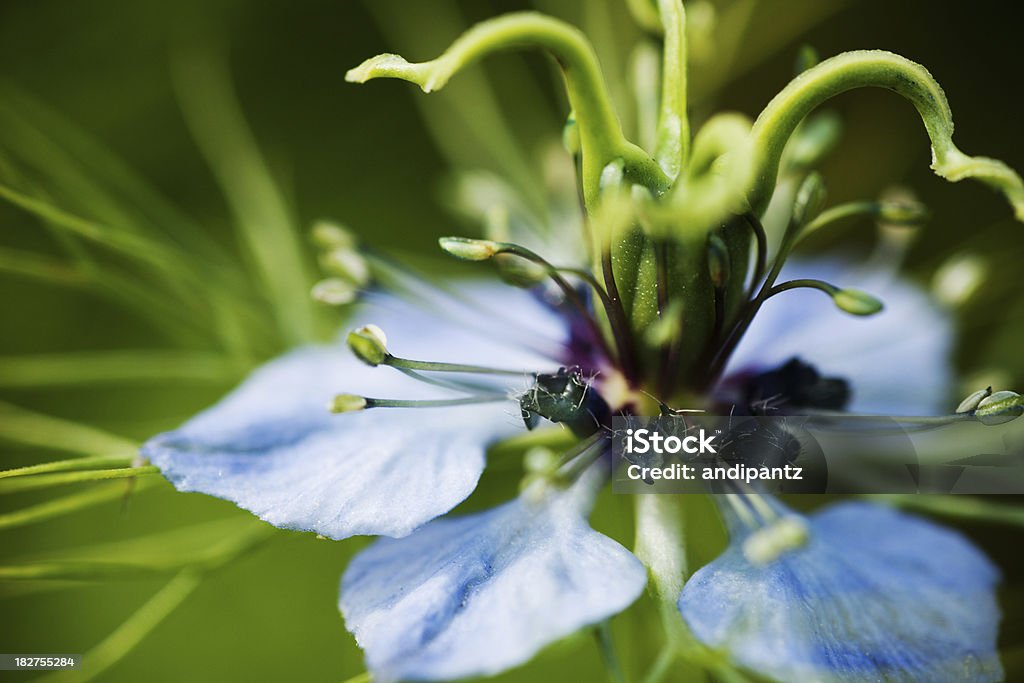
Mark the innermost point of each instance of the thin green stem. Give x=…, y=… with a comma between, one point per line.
x=761, y=238
x=805, y=283
x=431, y=366
x=68, y=504
x=574, y=299
x=151, y=614
x=40, y=481
x=86, y=463
x=433, y=403
x=838, y=213
x=35, y=429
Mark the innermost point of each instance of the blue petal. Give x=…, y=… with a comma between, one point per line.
x=480, y=594
x=273, y=448
x=874, y=595
x=897, y=362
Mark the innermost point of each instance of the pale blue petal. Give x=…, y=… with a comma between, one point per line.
x=479, y=594
x=273, y=448
x=897, y=362
x=875, y=595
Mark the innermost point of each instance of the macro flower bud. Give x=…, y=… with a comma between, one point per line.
x=1000, y=407
x=334, y=291
x=346, y=263
x=329, y=235
x=856, y=302
x=347, y=403
x=469, y=249
x=369, y=344
x=971, y=403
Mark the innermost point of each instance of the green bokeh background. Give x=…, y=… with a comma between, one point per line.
x=364, y=156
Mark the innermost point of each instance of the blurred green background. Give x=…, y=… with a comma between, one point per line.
x=80, y=77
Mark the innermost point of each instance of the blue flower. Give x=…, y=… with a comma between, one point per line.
x=273, y=448
x=481, y=593
x=673, y=298
x=898, y=359
x=477, y=594
x=869, y=594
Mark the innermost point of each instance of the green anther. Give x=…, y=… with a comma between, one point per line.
x=330, y=235
x=1000, y=407
x=369, y=344
x=766, y=545
x=856, y=302
x=469, y=249
x=346, y=263
x=851, y=301
x=347, y=403
x=334, y=291
x=971, y=403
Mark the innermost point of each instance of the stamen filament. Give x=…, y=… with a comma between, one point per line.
x=432, y=366
x=454, y=384
x=433, y=403
x=761, y=238
x=619, y=332
x=578, y=459
x=345, y=403
x=741, y=511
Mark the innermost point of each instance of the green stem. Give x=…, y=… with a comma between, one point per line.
x=619, y=333
x=36, y=429
x=433, y=403
x=67, y=504
x=838, y=213
x=820, y=285
x=673, y=134
x=20, y=484
x=871, y=68
x=133, y=630
x=431, y=366
x=601, y=138
x=86, y=463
